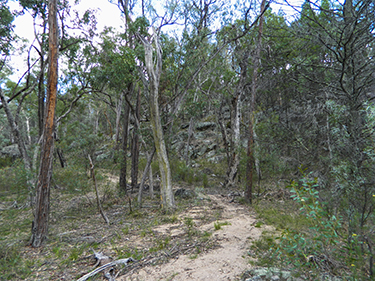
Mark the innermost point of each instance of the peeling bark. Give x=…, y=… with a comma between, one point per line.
x=154, y=71
x=123, y=182
x=41, y=215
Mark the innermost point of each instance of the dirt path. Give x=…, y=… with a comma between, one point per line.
x=225, y=262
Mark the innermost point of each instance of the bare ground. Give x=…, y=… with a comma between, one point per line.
x=207, y=238
x=225, y=262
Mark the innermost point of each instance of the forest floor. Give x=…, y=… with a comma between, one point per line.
x=232, y=234
x=208, y=237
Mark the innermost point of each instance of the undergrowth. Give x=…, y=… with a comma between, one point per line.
x=311, y=241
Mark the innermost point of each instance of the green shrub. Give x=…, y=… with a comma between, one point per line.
x=13, y=178
x=72, y=178
x=326, y=247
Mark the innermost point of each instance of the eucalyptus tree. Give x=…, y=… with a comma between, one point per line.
x=114, y=71
x=254, y=86
x=7, y=35
x=39, y=10
x=41, y=216
x=350, y=48
x=6, y=31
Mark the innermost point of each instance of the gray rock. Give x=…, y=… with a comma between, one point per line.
x=211, y=154
x=268, y=274
x=11, y=151
x=203, y=126
x=276, y=274
x=185, y=193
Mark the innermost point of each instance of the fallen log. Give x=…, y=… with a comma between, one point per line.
x=106, y=266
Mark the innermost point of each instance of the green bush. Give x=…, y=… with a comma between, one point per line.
x=13, y=178
x=72, y=178
x=326, y=247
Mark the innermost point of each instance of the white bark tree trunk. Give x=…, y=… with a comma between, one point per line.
x=154, y=71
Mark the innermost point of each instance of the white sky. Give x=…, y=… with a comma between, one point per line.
x=108, y=15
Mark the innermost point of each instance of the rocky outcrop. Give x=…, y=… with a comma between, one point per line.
x=276, y=274
x=10, y=151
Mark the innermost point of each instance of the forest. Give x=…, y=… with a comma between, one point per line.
x=109, y=135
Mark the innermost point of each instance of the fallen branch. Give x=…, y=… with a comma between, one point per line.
x=103, y=267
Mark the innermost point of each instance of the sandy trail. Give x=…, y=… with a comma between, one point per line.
x=225, y=262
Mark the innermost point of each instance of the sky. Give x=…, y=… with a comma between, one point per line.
x=107, y=15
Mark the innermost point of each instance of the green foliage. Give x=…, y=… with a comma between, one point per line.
x=6, y=28
x=12, y=266
x=190, y=225
x=295, y=247
x=73, y=178
x=218, y=225
x=181, y=172
x=315, y=240
x=13, y=178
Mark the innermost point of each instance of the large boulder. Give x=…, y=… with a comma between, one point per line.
x=10, y=151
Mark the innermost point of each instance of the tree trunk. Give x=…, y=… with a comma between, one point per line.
x=151, y=183
x=254, y=84
x=123, y=182
x=167, y=198
x=190, y=133
x=144, y=176
x=19, y=139
x=135, y=143
x=234, y=159
x=118, y=118
x=40, y=223
x=41, y=94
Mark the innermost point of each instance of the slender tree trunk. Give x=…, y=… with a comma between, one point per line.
x=190, y=133
x=154, y=72
x=123, y=182
x=118, y=119
x=234, y=159
x=144, y=176
x=19, y=139
x=97, y=192
x=223, y=129
x=236, y=103
x=40, y=223
x=151, y=183
x=41, y=94
x=135, y=143
x=254, y=85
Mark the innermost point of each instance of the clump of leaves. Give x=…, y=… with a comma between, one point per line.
x=324, y=247
x=189, y=223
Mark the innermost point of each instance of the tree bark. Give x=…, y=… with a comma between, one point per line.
x=135, y=143
x=254, y=84
x=167, y=198
x=190, y=133
x=118, y=119
x=19, y=139
x=144, y=176
x=97, y=192
x=123, y=182
x=40, y=223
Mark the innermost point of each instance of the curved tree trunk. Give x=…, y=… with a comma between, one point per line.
x=40, y=223
x=154, y=72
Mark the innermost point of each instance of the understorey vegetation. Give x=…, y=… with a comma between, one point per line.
x=109, y=136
